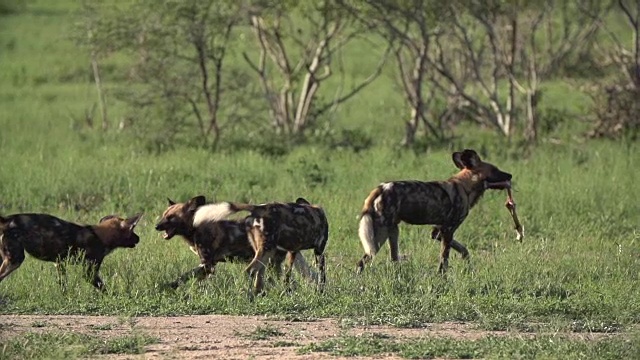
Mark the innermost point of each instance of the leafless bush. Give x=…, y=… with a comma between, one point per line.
x=617, y=112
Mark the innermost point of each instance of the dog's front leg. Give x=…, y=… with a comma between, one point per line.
x=461, y=249
x=92, y=267
x=393, y=242
x=445, y=247
x=201, y=272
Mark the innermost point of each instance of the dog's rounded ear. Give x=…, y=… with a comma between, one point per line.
x=470, y=158
x=200, y=200
x=466, y=159
x=457, y=159
x=196, y=202
x=133, y=221
x=302, y=201
x=171, y=202
x=105, y=218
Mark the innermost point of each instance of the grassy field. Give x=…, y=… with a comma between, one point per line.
x=578, y=269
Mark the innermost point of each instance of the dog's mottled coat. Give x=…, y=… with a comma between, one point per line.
x=214, y=238
x=444, y=204
x=289, y=227
x=49, y=238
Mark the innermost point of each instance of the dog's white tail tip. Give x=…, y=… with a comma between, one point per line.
x=212, y=212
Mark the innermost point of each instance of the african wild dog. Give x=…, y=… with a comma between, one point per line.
x=289, y=227
x=213, y=238
x=444, y=204
x=49, y=238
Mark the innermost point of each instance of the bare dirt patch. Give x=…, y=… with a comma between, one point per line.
x=220, y=336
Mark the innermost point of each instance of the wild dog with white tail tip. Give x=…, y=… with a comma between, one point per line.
x=289, y=227
x=444, y=204
x=214, y=238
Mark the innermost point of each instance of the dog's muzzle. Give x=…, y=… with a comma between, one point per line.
x=168, y=233
x=501, y=185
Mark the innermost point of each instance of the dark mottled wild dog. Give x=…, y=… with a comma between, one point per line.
x=444, y=204
x=289, y=227
x=49, y=238
x=214, y=238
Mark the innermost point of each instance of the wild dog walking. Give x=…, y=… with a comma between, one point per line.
x=444, y=204
x=49, y=238
x=289, y=227
x=213, y=238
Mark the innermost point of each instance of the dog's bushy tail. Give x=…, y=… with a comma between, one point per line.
x=218, y=211
x=366, y=230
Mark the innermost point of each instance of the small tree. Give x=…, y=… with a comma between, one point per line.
x=500, y=47
x=297, y=44
x=409, y=26
x=616, y=107
x=180, y=50
x=541, y=38
x=86, y=35
x=471, y=51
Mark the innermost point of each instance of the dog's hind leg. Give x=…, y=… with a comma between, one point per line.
x=322, y=274
x=256, y=270
x=260, y=244
x=7, y=267
x=12, y=257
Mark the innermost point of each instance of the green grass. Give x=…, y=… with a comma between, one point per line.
x=70, y=345
x=491, y=347
x=578, y=261
x=577, y=270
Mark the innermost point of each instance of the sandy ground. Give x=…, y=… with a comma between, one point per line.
x=224, y=337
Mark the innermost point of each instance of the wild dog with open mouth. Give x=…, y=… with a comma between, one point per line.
x=214, y=238
x=289, y=227
x=49, y=238
x=444, y=204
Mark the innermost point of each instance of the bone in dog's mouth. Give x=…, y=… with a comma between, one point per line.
x=511, y=206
